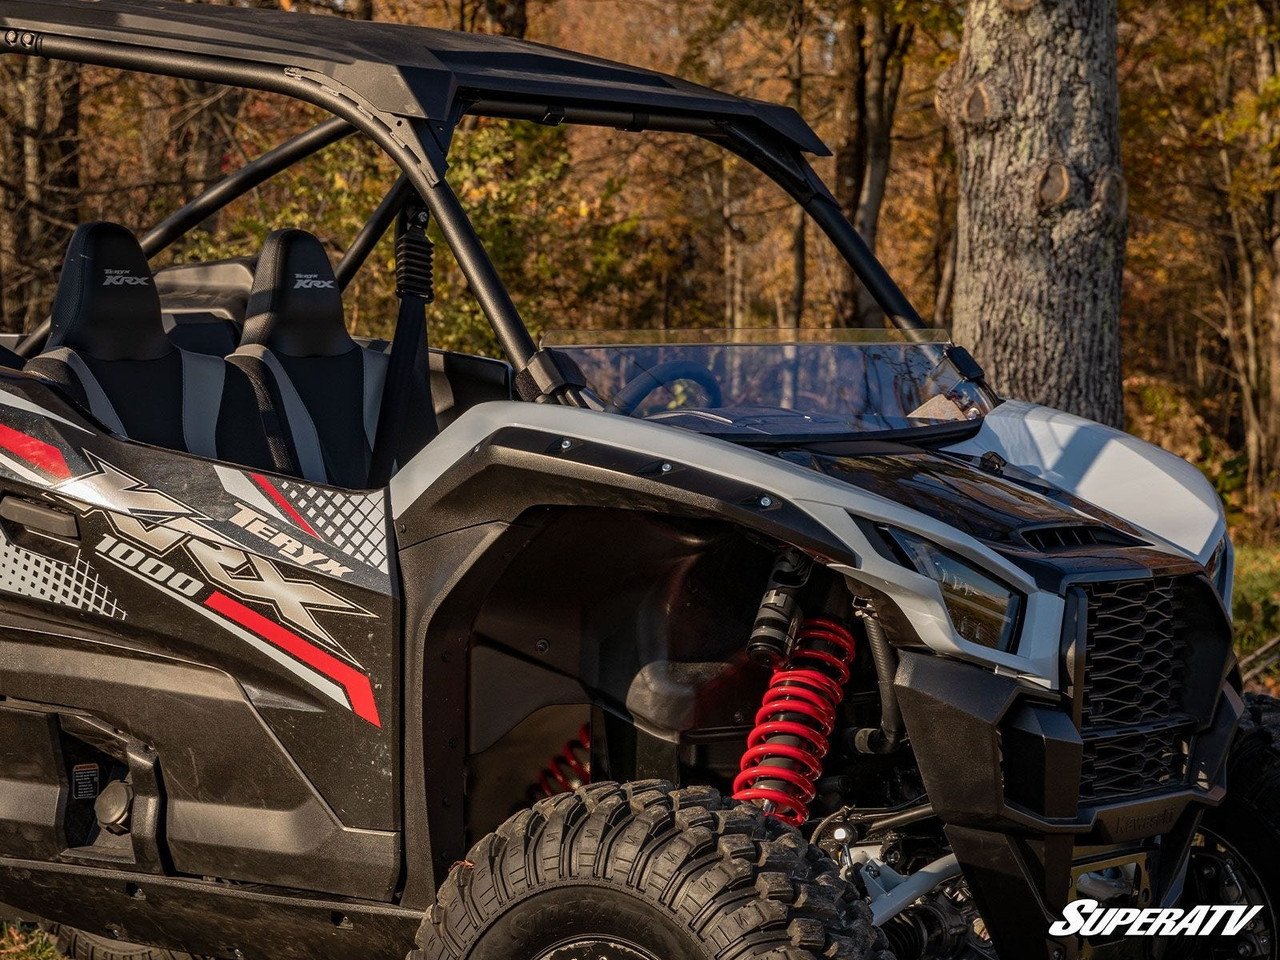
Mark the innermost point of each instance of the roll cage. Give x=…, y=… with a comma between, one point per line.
x=407, y=88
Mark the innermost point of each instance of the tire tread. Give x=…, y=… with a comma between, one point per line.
x=745, y=885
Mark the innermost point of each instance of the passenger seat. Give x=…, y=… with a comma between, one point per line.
x=108, y=351
x=322, y=389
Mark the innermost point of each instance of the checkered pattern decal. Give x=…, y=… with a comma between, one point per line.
x=34, y=575
x=356, y=524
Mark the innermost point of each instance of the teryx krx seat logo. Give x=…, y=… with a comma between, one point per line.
x=123, y=278
x=309, y=281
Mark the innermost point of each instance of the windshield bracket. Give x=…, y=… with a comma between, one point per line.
x=965, y=365
x=548, y=375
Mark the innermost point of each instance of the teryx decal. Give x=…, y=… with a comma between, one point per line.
x=153, y=532
x=249, y=519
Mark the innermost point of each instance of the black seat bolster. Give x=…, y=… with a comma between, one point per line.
x=61, y=376
x=330, y=413
x=267, y=403
x=241, y=436
x=324, y=389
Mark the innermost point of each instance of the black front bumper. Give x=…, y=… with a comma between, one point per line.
x=1014, y=772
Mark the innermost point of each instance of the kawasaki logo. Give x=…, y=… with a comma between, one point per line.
x=1087, y=918
x=304, y=281
x=123, y=278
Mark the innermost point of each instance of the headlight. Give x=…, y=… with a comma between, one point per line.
x=1220, y=569
x=1216, y=567
x=982, y=610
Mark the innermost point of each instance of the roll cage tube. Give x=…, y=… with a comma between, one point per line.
x=215, y=198
x=419, y=147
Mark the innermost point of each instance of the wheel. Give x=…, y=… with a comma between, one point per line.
x=644, y=871
x=1236, y=854
x=86, y=946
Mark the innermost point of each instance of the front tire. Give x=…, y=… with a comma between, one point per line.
x=646, y=872
x=79, y=945
x=1235, y=858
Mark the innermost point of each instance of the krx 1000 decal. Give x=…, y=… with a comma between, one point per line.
x=174, y=549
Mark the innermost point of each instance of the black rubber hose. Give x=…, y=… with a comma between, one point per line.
x=891, y=733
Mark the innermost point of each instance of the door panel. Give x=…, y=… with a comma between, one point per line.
x=259, y=611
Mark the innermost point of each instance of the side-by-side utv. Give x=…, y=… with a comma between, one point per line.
x=653, y=645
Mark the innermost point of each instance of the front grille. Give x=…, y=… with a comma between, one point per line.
x=1132, y=764
x=1133, y=717
x=1135, y=658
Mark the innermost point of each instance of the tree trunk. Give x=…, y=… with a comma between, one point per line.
x=1033, y=107
x=871, y=47
x=508, y=17
x=39, y=182
x=851, y=138
x=944, y=231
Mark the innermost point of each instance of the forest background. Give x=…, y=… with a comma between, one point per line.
x=603, y=230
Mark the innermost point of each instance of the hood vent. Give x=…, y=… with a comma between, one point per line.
x=1075, y=536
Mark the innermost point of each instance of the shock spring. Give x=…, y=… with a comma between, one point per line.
x=570, y=768
x=785, y=749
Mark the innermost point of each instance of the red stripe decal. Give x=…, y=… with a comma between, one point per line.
x=36, y=452
x=357, y=686
x=269, y=489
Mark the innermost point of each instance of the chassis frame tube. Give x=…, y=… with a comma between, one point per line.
x=237, y=184
x=375, y=229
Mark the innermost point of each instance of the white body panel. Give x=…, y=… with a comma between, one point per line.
x=1151, y=488
x=1055, y=448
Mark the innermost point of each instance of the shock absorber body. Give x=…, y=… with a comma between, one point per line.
x=793, y=727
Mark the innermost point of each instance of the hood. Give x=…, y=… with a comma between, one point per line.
x=1042, y=528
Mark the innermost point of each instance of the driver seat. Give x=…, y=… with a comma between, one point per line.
x=320, y=392
x=108, y=352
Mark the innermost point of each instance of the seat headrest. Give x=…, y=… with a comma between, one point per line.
x=295, y=307
x=106, y=305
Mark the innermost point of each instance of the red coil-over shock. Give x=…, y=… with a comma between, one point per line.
x=784, y=753
x=569, y=769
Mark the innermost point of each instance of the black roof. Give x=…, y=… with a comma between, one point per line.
x=403, y=70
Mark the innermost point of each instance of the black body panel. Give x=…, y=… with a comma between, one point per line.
x=200, y=916
x=1051, y=534
x=233, y=634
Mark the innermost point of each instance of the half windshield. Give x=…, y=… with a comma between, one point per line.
x=786, y=384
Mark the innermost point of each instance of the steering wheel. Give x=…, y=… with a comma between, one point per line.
x=630, y=396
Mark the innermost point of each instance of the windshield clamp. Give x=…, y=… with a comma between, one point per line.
x=547, y=374
x=965, y=364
